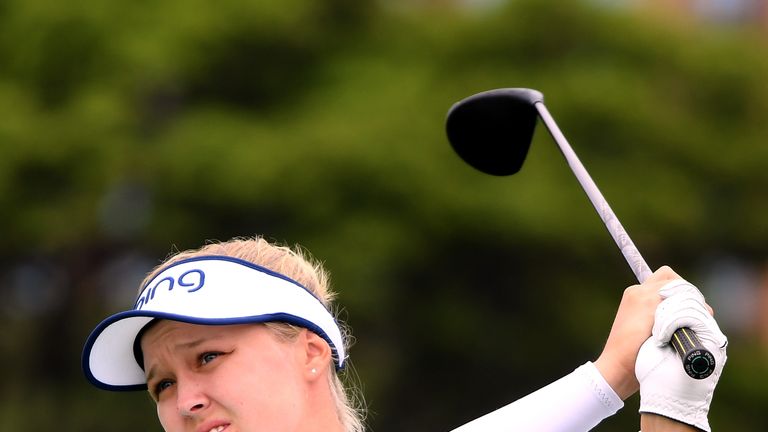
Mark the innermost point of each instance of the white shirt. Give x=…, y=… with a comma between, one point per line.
x=577, y=402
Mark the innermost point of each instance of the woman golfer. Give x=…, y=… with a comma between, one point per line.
x=240, y=337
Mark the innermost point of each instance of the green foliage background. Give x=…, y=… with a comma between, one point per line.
x=129, y=129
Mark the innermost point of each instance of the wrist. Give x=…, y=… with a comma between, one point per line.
x=650, y=422
x=621, y=380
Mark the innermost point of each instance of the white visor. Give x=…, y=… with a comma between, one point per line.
x=208, y=290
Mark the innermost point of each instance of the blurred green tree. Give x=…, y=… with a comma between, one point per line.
x=132, y=128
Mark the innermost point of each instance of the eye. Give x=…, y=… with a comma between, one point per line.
x=160, y=386
x=208, y=357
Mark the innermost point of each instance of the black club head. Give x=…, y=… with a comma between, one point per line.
x=492, y=130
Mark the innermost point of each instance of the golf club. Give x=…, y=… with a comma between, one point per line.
x=492, y=131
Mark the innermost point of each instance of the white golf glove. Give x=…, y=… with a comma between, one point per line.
x=665, y=388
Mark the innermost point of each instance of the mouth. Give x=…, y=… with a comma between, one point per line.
x=218, y=428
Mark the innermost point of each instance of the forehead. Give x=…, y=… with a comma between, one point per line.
x=179, y=334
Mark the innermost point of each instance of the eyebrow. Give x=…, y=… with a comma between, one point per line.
x=178, y=347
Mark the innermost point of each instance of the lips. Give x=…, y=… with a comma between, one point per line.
x=217, y=426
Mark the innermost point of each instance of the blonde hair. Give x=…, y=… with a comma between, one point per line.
x=298, y=265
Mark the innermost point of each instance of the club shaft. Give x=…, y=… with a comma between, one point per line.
x=697, y=361
x=617, y=231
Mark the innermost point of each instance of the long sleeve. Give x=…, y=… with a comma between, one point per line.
x=577, y=402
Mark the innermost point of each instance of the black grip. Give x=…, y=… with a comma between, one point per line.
x=698, y=362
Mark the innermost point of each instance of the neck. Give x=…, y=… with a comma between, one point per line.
x=322, y=411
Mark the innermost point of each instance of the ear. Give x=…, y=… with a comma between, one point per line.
x=315, y=355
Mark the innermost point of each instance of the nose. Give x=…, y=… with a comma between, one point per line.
x=191, y=400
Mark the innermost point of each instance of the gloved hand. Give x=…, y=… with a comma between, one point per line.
x=665, y=388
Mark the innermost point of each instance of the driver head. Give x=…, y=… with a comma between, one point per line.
x=492, y=130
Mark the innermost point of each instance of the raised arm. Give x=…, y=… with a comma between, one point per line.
x=594, y=391
x=636, y=347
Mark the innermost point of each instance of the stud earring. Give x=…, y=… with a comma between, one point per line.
x=314, y=370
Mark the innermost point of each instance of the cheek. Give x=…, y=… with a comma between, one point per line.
x=269, y=395
x=168, y=416
x=267, y=385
